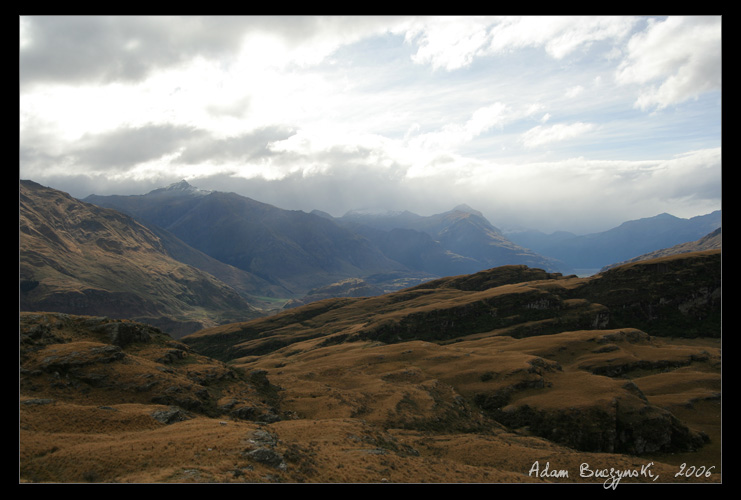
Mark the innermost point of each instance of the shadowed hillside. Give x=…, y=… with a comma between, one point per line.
x=711, y=241
x=291, y=250
x=82, y=259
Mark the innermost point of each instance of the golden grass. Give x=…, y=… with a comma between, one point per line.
x=357, y=412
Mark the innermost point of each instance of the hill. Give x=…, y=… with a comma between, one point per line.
x=675, y=296
x=104, y=401
x=78, y=258
x=513, y=374
x=555, y=356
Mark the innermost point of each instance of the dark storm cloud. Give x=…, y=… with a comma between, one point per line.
x=124, y=148
x=76, y=49
x=245, y=147
x=103, y=49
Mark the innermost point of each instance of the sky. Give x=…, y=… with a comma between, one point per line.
x=550, y=123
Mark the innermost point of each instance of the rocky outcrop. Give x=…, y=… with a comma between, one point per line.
x=139, y=363
x=626, y=426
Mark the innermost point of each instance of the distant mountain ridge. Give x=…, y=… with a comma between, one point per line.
x=301, y=251
x=290, y=249
x=624, y=242
x=459, y=241
x=288, y=253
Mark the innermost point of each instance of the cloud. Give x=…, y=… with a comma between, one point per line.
x=247, y=147
x=76, y=49
x=452, y=43
x=514, y=115
x=574, y=91
x=542, y=135
x=104, y=49
x=452, y=135
x=123, y=148
x=673, y=60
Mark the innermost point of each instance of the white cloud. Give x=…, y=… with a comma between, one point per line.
x=673, y=60
x=448, y=42
x=541, y=135
x=452, y=43
x=455, y=134
x=574, y=91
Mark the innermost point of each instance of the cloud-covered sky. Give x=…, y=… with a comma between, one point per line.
x=554, y=123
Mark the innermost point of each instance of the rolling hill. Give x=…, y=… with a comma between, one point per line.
x=511, y=375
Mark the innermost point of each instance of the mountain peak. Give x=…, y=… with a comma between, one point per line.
x=181, y=187
x=467, y=209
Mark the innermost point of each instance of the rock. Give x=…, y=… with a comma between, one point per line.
x=626, y=427
x=123, y=334
x=171, y=415
x=266, y=456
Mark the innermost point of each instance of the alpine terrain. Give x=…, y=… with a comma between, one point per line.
x=154, y=348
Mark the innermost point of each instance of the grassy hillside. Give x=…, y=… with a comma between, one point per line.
x=81, y=259
x=108, y=401
x=675, y=296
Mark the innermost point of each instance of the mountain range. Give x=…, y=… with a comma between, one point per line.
x=143, y=359
x=300, y=251
x=263, y=258
x=624, y=242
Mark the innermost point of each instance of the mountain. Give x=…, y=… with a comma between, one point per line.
x=619, y=244
x=257, y=291
x=294, y=250
x=78, y=258
x=510, y=375
x=459, y=241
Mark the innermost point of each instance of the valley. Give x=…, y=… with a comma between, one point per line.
x=154, y=347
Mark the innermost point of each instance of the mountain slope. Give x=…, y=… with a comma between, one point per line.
x=290, y=249
x=82, y=259
x=460, y=241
